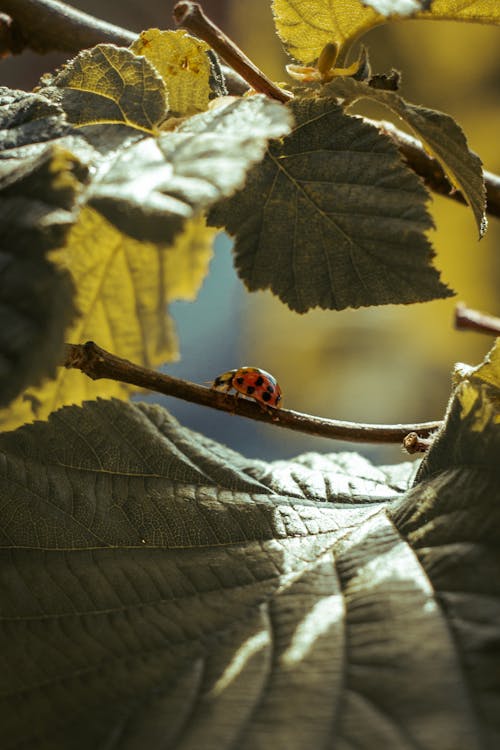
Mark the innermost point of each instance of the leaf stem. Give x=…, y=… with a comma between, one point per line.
x=190, y=16
x=467, y=319
x=97, y=363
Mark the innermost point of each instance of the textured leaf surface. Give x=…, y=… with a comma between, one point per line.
x=108, y=84
x=332, y=218
x=150, y=188
x=306, y=26
x=182, y=62
x=161, y=591
x=123, y=289
x=39, y=186
x=441, y=135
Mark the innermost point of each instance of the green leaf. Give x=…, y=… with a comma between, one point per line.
x=332, y=218
x=108, y=84
x=159, y=590
x=39, y=188
x=150, y=188
x=440, y=134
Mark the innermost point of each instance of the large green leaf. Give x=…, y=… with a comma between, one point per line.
x=440, y=133
x=39, y=188
x=150, y=188
x=332, y=218
x=160, y=591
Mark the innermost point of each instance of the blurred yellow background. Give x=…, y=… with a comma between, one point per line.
x=386, y=364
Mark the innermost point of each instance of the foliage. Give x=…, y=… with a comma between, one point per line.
x=355, y=233
x=159, y=589
x=187, y=596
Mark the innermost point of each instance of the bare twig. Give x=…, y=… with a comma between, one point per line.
x=48, y=25
x=190, y=16
x=98, y=363
x=473, y=320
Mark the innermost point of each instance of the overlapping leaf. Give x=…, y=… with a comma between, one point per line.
x=39, y=187
x=109, y=84
x=123, y=289
x=306, y=26
x=332, y=218
x=440, y=133
x=182, y=62
x=161, y=591
x=150, y=188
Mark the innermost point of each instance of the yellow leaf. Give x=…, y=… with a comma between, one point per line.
x=108, y=84
x=182, y=62
x=123, y=288
x=306, y=26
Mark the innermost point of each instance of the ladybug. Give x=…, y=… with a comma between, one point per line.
x=252, y=382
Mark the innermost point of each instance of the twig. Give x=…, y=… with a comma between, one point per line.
x=414, y=443
x=98, y=363
x=48, y=25
x=190, y=16
x=467, y=319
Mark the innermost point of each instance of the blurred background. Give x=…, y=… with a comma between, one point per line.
x=382, y=365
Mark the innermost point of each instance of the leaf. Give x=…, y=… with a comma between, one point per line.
x=39, y=188
x=182, y=62
x=152, y=187
x=306, y=26
x=108, y=84
x=123, y=289
x=439, y=132
x=332, y=218
x=158, y=590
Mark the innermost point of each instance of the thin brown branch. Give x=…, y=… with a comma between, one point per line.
x=48, y=25
x=98, y=363
x=467, y=319
x=190, y=16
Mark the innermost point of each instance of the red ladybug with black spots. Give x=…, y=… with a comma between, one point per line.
x=253, y=383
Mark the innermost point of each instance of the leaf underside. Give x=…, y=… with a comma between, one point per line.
x=332, y=218
x=306, y=26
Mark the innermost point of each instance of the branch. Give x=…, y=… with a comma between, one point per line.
x=467, y=319
x=48, y=25
x=98, y=363
x=191, y=17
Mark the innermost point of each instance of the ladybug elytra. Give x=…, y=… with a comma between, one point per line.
x=251, y=382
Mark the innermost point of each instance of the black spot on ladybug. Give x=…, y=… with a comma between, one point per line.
x=270, y=389
x=259, y=381
x=250, y=389
x=240, y=381
x=266, y=396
